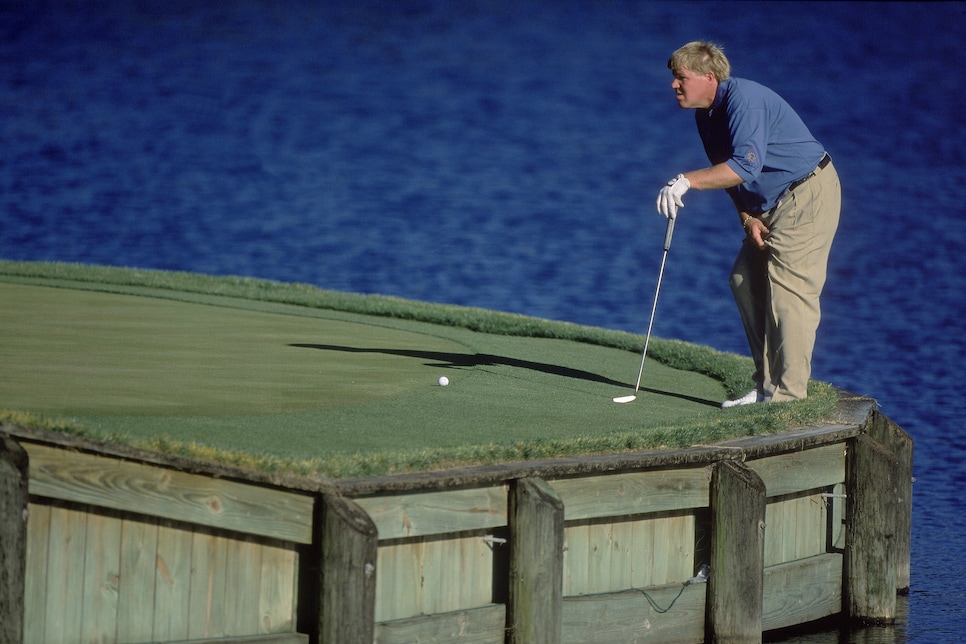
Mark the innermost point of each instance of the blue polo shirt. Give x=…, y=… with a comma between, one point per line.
x=761, y=138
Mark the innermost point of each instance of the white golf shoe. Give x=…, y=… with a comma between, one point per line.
x=749, y=398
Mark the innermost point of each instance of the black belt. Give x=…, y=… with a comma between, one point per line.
x=826, y=159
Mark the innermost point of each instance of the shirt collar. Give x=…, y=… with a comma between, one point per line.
x=719, y=93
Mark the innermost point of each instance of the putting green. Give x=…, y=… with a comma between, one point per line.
x=299, y=382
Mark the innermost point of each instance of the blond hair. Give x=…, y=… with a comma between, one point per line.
x=701, y=57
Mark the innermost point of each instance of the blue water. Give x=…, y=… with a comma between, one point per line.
x=506, y=155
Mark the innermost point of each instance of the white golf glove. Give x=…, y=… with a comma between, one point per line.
x=669, y=199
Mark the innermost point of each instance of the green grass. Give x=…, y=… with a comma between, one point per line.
x=549, y=378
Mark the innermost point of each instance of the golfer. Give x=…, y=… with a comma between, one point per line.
x=788, y=198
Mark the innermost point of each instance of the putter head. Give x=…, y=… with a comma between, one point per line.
x=625, y=399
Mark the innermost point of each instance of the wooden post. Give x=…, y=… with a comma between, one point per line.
x=13, y=539
x=871, y=481
x=897, y=441
x=536, y=529
x=349, y=546
x=735, y=587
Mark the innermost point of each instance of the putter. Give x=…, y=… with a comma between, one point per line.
x=657, y=291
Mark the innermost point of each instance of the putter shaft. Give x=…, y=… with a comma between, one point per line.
x=650, y=324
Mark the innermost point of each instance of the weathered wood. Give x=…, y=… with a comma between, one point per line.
x=434, y=575
x=871, y=560
x=242, y=583
x=35, y=586
x=835, y=504
x=102, y=570
x=398, y=582
x=101, y=574
x=897, y=441
x=349, y=547
x=412, y=515
x=169, y=494
x=209, y=565
x=172, y=582
x=277, y=638
x=484, y=625
x=622, y=528
x=610, y=556
x=802, y=591
x=135, y=606
x=736, y=584
x=629, y=617
x=632, y=493
x=801, y=470
x=536, y=528
x=278, y=596
x=13, y=539
x=65, y=573
x=797, y=527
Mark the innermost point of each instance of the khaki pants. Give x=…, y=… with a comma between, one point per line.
x=777, y=289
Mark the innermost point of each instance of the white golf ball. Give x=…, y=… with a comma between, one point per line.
x=443, y=381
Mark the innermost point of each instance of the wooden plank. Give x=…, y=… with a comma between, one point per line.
x=536, y=522
x=796, y=528
x=273, y=638
x=477, y=561
x=643, y=565
x=102, y=571
x=277, y=597
x=170, y=494
x=679, y=548
x=803, y=470
x=209, y=565
x=433, y=592
x=483, y=625
x=835, y=505
x=430, y=513
x=633, y=493
x=774, y=535
x=429, y=575
x=802, y=591
x=65, y=574
x=629, y=617
x=398, y=583
x=242, y=584
x=349, y=542
x=576, y=557
x=599, y=558
x=897, y=441
x=13, y=538
x=172, y=582
x=622, y=555
x=35, y=583
x=871, y=562
x=737, y=554
x=135, y=606
x=610, y=556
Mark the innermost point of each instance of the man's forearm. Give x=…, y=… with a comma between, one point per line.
x=714, y=178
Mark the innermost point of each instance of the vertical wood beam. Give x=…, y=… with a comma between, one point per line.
x=735, y=587
x=897, y=441
x=349, y=545
x=536, y=530
x=13, y=539
x=871, y=535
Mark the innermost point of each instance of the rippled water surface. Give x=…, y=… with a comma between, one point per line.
x=506, y=155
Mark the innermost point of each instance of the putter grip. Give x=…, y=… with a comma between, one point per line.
x=670, y=231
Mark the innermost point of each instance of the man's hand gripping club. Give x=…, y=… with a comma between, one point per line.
x=669, y=199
